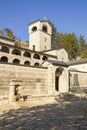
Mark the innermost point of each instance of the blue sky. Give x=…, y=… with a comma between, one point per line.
x=67, y=15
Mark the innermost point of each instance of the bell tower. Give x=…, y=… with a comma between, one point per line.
x=40, y=33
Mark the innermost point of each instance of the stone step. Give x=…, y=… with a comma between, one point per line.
x=38, y=99
x=47, y=99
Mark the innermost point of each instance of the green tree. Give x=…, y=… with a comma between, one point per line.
x=84, y=54
x=82, y=44
x=54, y=33
x=70, y=42
x=59, y=39
x=71, y=45
x=8, y=33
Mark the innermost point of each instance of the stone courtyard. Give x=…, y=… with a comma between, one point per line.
x=66, y=113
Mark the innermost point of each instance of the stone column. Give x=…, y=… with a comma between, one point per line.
x=51, y=78
x=22, y=53
x=11, y=92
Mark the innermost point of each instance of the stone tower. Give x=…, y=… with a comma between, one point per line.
x=40, y=33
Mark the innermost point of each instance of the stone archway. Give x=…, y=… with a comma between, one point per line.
x=15, y=90
x=58, y=73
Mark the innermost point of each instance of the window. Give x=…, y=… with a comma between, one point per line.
x=16, y=61
x=44, y=28
x=27, y=54
x=5, y=49
x=44, y=58
x=34, y=28
x=36, y=64
x=33, y=47
x=26, y=63
x=45, y=47
x=45, y=39
x=76, y=81
x=4, y=59
x=36, y=56
x=62, y=59
x=16, y=52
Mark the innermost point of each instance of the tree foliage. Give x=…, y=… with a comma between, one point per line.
x=74, y=46
x=7, y=33
x=84, y=54
x=82, y=45
x=69, y=42
x=54, y=33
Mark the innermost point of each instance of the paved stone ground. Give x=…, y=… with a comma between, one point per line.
x=64, y=115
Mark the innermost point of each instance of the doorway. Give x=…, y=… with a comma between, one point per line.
x=58, y=73
x=15, y=90
x=57, y=83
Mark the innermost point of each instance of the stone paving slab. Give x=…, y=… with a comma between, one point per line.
x=57, y=116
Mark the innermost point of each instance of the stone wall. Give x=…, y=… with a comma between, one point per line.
x=78, y=79
x=33, y=80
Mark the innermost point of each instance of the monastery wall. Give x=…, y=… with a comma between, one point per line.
x=31, y=80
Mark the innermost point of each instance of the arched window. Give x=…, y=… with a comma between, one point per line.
x=5, y=49
x=26, y=63
x=27, y=54
x=16, y=61
x=36, y=56
x=36, y=64
x=44, y=28
x=4, y=59
x=16, y=52
x=34, y=28
x=44, y=58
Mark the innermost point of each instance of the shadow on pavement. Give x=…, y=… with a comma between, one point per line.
x=70, y=115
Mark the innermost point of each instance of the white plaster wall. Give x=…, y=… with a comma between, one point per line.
x=34, y=40
x=79, y=67
x=51, y=52
x=39, y=38
x=44, y=43
x=61, y=54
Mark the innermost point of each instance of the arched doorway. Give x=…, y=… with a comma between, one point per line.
x=58, y=73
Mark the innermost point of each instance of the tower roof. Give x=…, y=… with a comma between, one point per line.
x=39, y=20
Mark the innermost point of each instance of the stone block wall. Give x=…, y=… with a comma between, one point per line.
x=33, y=80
